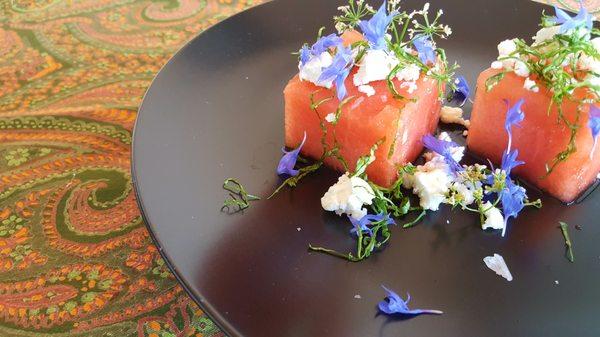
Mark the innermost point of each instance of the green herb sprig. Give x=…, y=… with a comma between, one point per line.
x=239, y=199
x=564, y=228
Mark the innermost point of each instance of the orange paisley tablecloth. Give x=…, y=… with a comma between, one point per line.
x=75, y=257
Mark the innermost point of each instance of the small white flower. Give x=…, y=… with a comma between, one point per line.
x=447, y=30
x=426, y=7
x=498, y=265
x=493, y=217
x=330, y=117
x=348, y=195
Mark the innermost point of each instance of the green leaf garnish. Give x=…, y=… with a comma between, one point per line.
x=239, y=199
x=568, y=244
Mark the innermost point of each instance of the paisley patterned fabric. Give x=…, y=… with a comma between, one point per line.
x=75, y=257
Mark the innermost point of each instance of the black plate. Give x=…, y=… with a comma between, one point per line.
x=216, y=111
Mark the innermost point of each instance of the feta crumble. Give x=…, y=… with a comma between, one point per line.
x=366, y=89
x=348, y=195
x=431, y=182
x=545, y=34
x=453, y=115
x=493, y=217
x=375, y=65
x=497, y=65
x=412, y=86
x=311, y=70
x=498, y=265
x=530, y=85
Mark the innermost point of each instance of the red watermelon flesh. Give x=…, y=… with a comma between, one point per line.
x=364, y=121
x=539, y=139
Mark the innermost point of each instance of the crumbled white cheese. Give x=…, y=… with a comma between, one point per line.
x=546, y=33
x=357, y=296
x=348, y=195
x=366, y=89
x=298, y=228
x=330, y=117
x=375, y=65
x=453, y=115
x=497, y=264
x=410, y=73
x=521, y=69
x=311, y=70
x=431, y=181
x=507, y=47
x=493, y=217
x=497, y=65
x=530, y=85
x=431, y=184
x=412, y=86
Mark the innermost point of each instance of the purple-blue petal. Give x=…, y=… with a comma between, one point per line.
x=594, y=120
x=326, y=42
x=338, y=70
x=566, y=22
x=509, y=161
x=368, y=219
x=374, y=29
x=425, y=49
x=394, y=304
x=462, y=92
x=443, y=148
x=304, y=54
x=515, y=115
x=288, y=161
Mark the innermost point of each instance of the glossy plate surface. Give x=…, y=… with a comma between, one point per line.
x=216, y=111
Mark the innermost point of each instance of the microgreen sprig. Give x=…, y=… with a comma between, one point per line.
x=239, y=199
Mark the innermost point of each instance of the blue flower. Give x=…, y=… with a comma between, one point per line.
x=288, y=161
x=305, y=54
x=566, y=22
x=512, y=197
x=323, y=44
x=425, y=49
x=443, y=148
x=375, y=29
x=462, y=92
x=514, y=116
x=594, y=125
x=339, y=70
x=393, y=304
x=365, y=221
x=509, y=161
x=326, y=42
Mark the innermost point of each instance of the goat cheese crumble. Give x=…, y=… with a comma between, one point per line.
x=530, y=85
x=311, y=71
x=367, y=89
x=348, y=196
x=493, y=217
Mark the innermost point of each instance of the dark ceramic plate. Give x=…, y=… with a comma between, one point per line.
x=216, y=111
